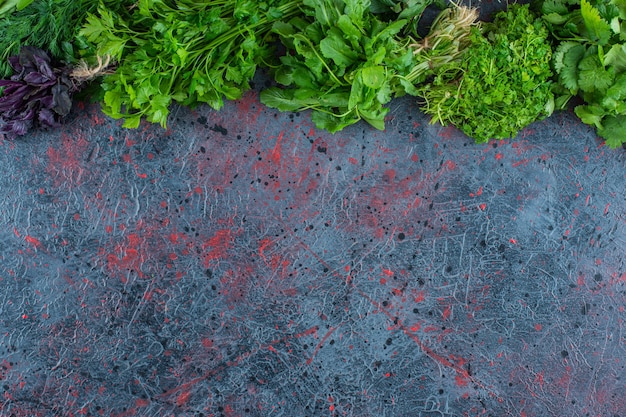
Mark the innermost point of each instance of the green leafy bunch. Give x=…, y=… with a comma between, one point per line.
x=51, y=25
x=590, y=61
x=8, y=6
x=340, y=62
x=442, y=50
x=183, y=51
x=503, y=82
x=401, y=9
x=411, y=10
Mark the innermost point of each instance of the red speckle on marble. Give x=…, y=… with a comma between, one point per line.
x=217, y=246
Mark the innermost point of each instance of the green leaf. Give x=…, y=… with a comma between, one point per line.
x=357, y=93
x=179, y=96
x=132, y=121
x=616, y=56
x=355, y=10
x=334, y=47
x=384, y=93
x=621, y=7
x=315, y=32
x=409, y=88
x=158, y=115
x=615, y=97
x=375, y=117
x=7, y=6
x=374, y=77
x=22, y=4
x=279, y=98
x=414, y=9
x=384, y=6
x=283, y=29
x=554, y=7
x=337, y=99
x=350, y=31
x=590, y=114
x=388, y=31
x=332, y=123
x=598, y=29
x=616, y=25
x=93, y=28
x=233, y=74
x=560, y=102
x=555, y=18
x=113, y=99
x=326, y=11
x=614, y=131
x=593, y=76
x=566, y=59
x=112, y=45
x=559, y=58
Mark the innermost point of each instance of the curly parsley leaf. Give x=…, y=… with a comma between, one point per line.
x=502, y=84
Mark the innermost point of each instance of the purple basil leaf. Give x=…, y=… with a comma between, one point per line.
x=30, y=57
x=47, y=101
x=66, y=80
x=18, y=127
x=37, y=78
x=28, y=113
x=46, y=118
x=43, y=65
x=8, y=83
x=10, y=87
x=62, y=103
x=14, y=61
x=12, y=102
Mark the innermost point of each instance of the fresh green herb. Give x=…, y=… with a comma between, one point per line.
x=590, y=61
x=8, y=6
x=411, y=10
x=345, y=64
x=47, y=24
x=503, y=82
x=339, y=63
x=186, y=51
x=442, y=50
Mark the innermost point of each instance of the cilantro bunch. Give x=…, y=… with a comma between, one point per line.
x=185, y=51
x=590, y=61
x=502, y=83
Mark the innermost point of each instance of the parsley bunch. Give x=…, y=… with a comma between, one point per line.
x=590, y=61
x=184, y=51
x=503, y=82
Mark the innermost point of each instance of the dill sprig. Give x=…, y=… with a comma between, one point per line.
x=51, y=25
